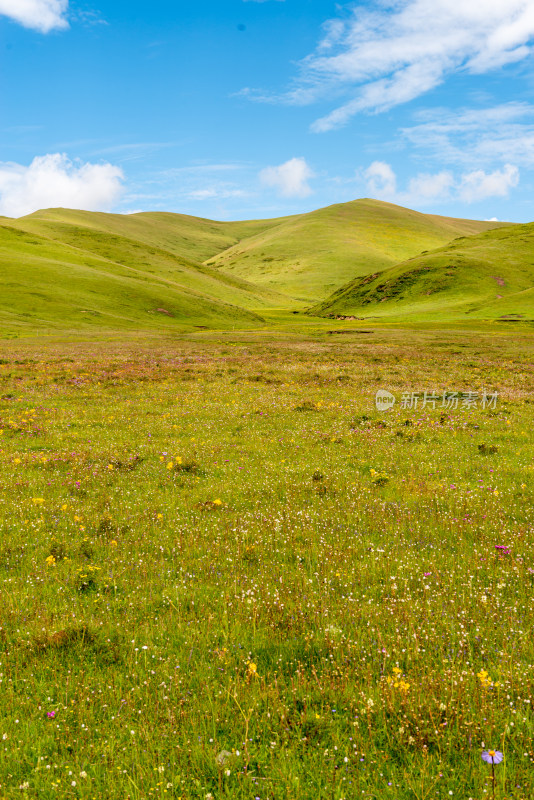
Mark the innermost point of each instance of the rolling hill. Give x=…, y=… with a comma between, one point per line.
x=75, y=270
x=308, y=256
x=489, y=276
x=93, y=280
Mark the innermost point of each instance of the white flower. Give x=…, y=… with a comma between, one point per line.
x=83, y=774
x=222, y=758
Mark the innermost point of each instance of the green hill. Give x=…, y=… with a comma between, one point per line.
x=92, y=280
x=308, y=256
x=489, y=276
x=190, y=237
x=79, y=270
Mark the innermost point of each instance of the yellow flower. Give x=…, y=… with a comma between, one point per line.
x=484, y=678
x=252, y=669
x=50, y=561
x=217, y=502
x=170, y=465
x=37, y=501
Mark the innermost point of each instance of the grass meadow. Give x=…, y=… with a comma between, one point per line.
x=225, y=574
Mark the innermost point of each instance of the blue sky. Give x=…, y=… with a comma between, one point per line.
x=235, y=109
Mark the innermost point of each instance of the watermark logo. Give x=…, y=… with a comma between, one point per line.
x=447, y=400
x=384, y=400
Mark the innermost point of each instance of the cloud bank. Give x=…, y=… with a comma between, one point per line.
x=53, y=181
x=405, y=48
x=470, y=187
x=40, y=15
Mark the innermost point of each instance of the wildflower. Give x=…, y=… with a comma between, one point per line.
x=217, y=502
x=492, y=756
x=484, y=678
x=50, y=560
x=50, y=714
x=252, y=669
x=222, y=758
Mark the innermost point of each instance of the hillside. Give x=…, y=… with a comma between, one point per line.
x=192, y=238
x=307, y=257
x=489, y=276
x=113, y=283
x=79, y=270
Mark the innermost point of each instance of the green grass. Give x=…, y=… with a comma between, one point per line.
x=214, y=542
x=489, y=276
x=87, y=272
x=76, y=277
x=309, y=256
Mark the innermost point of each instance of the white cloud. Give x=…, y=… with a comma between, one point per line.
x=290, y=179
x=503, y=133
x=426, y=188
x=41, y=15
x=381, y=180
x=216, y=193
x=431, y=187
x=53, y=181
x=480, y=185
x=404, y=48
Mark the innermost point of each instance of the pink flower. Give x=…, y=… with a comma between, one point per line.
x=50, y=714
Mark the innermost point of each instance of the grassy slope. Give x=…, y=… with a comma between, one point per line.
x=190, y=237
x=108, y=270
x=488, y=276
x=308, y=256
x=56, y=285
x=77, y=269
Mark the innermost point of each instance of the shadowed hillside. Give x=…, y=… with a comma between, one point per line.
x=309, y=256
x=489, y=276
x=52, y=284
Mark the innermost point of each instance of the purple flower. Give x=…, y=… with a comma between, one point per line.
x=492, y=756
x=50, y=714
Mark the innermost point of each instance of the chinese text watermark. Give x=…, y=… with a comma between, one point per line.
x=446, y=400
